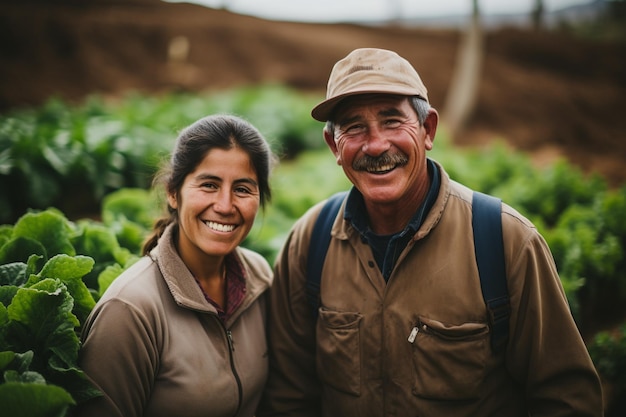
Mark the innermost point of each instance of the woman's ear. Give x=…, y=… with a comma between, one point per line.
x=172, y=201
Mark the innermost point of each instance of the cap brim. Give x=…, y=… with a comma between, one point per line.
x=324, y=109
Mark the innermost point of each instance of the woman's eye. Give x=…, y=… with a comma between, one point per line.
x=242, y=190
x=208, y=185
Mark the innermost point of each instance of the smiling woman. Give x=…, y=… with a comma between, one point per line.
x=216, y=205
x=177, y=314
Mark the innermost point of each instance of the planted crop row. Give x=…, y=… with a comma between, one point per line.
x=54, y=264
x=70, y=157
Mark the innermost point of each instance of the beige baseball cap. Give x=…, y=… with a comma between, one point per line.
x=366, y=71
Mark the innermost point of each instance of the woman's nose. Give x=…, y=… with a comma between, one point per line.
x=223, y=202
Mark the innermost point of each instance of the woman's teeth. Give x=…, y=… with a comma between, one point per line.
x=220, y=227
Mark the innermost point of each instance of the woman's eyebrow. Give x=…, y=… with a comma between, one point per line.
x=247, y=180
x=203, y=176
x=206, y=176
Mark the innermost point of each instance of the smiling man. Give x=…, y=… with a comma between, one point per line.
x=402, y=328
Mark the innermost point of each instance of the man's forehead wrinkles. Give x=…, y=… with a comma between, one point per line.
x=360, y=114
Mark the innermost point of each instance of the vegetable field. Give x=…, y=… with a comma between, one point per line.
x=75, y=206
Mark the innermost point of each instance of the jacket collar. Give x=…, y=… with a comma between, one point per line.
x=179, y=280
x=183, y=286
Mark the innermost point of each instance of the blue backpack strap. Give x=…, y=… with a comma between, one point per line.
x=489, y=248
x=318, y=246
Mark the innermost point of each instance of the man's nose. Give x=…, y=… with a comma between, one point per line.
x=377, y=142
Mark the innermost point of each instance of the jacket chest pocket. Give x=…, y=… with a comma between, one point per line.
x=338, y=350
x=449, y=360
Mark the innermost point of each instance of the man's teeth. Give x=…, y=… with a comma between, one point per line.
x=383, y=168
x=221, y=227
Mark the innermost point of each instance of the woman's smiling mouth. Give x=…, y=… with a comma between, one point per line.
x=219, y=227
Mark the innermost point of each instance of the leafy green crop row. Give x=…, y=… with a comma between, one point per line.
x=71, y=157
x=579, y=216
x=56, y=268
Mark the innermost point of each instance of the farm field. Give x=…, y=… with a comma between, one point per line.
x=545, y=93
x=94, y=93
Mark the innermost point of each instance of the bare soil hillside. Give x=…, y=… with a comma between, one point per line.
x=545, y=93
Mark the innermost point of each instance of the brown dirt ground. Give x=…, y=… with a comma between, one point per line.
x=544, y=93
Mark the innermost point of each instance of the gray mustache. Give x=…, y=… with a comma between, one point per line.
x=368, y=162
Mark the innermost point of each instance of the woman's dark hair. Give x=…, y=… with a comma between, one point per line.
x=193, y=144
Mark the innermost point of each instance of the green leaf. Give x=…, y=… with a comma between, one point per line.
x=6, y=230
x=13, y=274
x=96, y=240
x=20, y=248
x=48, y=227
x=23, y=361
x=6, y=162
x=107, y=277
x=7, y=292
x=4, y=322
x=28, y=377
x=73, y=379
x=136, y=205
x=43, y=186
x=70, y=270
x=44, y=311
x=34, y=264
x=57, y=158
x=34, y=400
x=67, y=268
x=6, y=358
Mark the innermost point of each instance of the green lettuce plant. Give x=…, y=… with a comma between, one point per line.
x=45, y=263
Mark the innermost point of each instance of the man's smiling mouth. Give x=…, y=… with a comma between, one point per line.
x=219, y=227
x=381, y=169
x=382, y=164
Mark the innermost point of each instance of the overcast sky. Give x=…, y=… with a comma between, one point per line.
x=353, y=10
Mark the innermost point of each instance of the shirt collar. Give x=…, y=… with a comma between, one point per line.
x=356, y=214
x=235, y=288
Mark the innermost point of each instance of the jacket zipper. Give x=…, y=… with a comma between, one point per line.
x=413, y=334
x=231, y=348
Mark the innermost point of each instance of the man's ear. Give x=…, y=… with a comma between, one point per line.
x=329, y=137
x=430, y=128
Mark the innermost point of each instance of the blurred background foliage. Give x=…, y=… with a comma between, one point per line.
x=89, y=161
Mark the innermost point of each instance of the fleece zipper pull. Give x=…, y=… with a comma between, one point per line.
x=413, y=334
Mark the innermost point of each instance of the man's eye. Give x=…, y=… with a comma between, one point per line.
x=353, y=129
x=393, y=123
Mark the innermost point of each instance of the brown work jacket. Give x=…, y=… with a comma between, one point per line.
x=155, y=346
x=419, y=345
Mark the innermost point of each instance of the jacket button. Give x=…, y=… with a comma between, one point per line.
x=371, y=264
